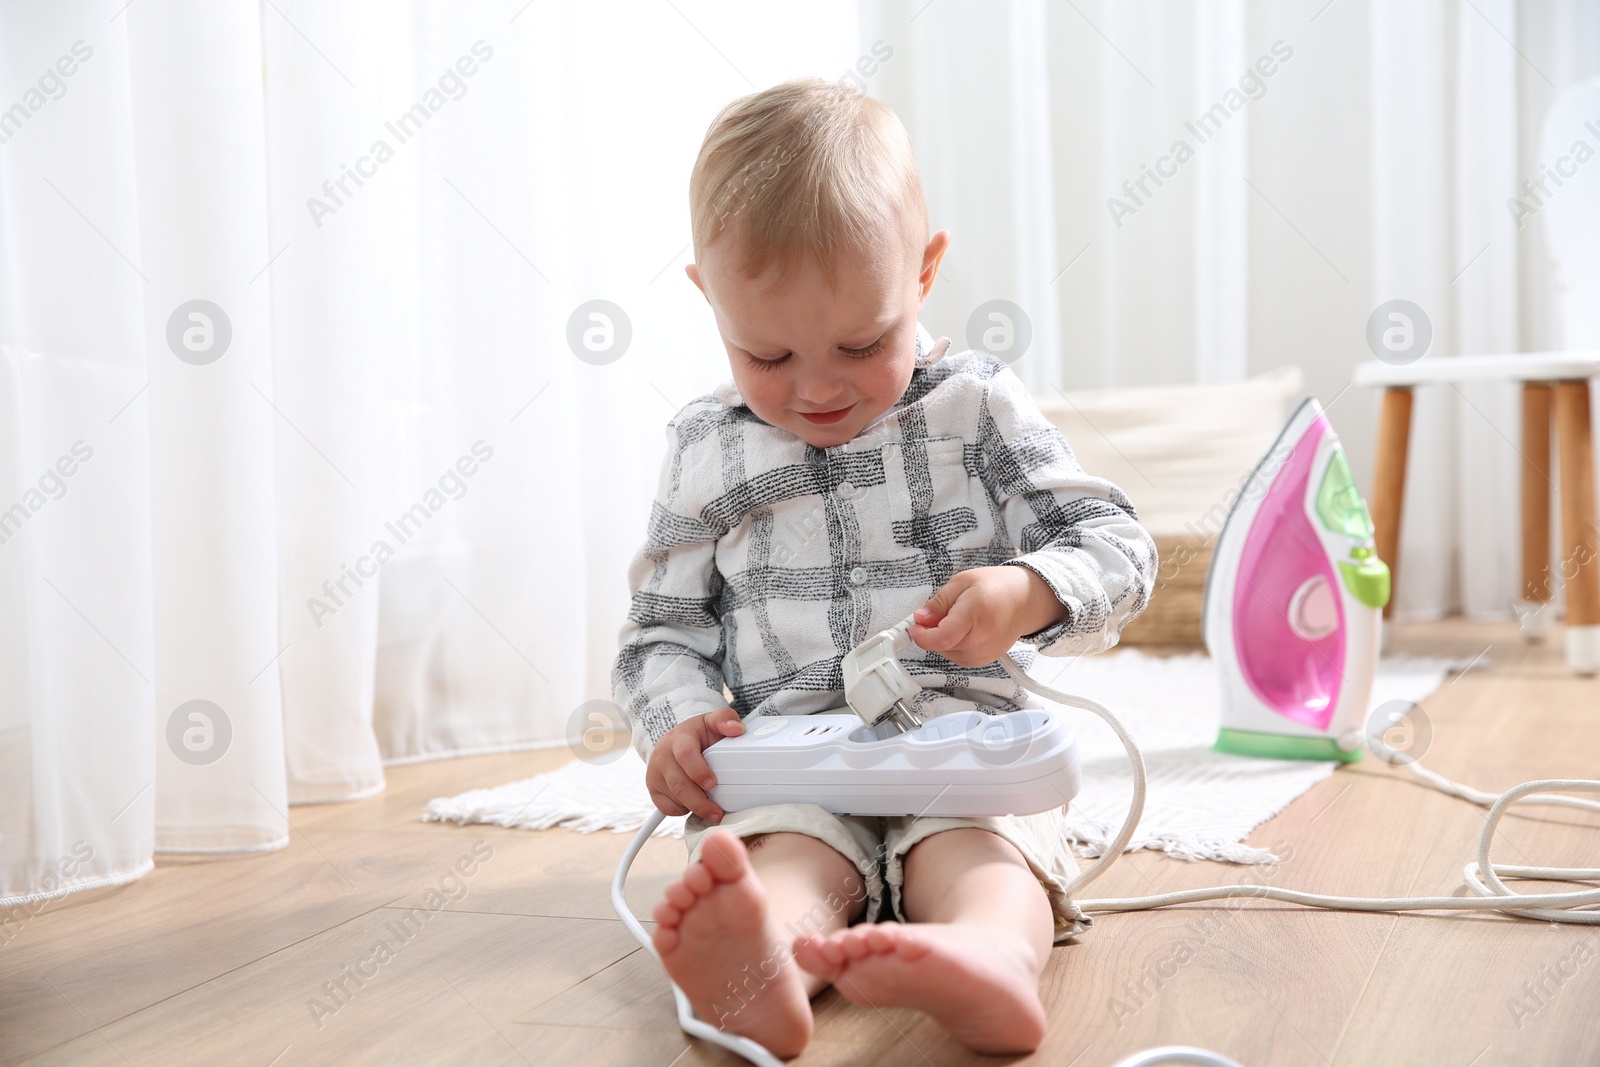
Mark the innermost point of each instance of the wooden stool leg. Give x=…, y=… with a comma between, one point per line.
x=1580, y=537
x=1537, y=581
x=1389, y=481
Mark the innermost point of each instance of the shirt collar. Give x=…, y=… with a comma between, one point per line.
x=929, y=352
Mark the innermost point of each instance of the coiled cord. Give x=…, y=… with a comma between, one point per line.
x=1484, y=877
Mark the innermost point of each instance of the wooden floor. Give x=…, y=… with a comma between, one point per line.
x=226, y=962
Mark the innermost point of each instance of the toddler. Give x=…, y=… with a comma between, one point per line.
x=853, y=472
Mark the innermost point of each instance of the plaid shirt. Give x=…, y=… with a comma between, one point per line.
x=767, y=559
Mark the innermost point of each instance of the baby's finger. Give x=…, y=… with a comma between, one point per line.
x=981, y=644
x=952, y=630
x=725, y=722
x=927, y=637
x=691, y=796
x=971, y=655
x=665, y=804
x=939, y=603
x=693, y=764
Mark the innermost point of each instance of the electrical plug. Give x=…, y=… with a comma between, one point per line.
x=876, y=685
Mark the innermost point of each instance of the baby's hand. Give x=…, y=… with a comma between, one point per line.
x=977, y=615
x=677, y=774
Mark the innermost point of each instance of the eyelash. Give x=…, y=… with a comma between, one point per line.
x=855, y=353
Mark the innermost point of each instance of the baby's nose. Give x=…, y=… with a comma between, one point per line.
x=817, y=388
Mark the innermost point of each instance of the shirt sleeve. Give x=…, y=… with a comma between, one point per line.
x=1077, y=532
x=668, y=668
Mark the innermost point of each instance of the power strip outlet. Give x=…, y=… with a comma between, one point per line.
x=964, y=763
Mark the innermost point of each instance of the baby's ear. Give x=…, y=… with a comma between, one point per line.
x=932, y=256
x=694, y=276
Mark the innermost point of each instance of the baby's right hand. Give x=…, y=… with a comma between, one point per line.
x=677, y=774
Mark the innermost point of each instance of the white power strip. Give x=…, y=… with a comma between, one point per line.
x=965, y=763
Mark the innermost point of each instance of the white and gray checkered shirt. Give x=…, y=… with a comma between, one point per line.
x=767, y=559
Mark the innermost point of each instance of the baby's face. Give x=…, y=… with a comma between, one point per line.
x=817, y=361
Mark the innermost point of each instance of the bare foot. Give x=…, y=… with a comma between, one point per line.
x=718, y=943
x=979, y=983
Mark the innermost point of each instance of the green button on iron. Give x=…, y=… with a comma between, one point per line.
x=1367, y=581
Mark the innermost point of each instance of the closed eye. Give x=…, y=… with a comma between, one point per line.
x=870, y=350
x=767, y=364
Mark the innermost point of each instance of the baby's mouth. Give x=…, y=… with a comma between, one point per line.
x=822, y=418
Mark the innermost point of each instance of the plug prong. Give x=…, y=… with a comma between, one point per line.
x=904, y=719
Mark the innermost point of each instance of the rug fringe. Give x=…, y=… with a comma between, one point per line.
x=579, y=796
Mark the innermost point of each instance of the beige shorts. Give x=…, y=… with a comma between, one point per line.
x=877, y=845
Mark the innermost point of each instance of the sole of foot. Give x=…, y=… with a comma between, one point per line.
x=717, y=940
x=975, y=983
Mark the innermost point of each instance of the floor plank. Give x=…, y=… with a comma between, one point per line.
x=444, y=983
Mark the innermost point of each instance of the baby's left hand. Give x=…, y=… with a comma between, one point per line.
x=978, y=614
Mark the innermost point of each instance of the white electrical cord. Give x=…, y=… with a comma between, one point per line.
x=1493, y=896
x=1177, y=1054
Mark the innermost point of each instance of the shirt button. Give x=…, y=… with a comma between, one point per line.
x=859, y=575
x=846, y=490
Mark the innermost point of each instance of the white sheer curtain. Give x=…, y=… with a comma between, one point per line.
x=389, y=519
x=1370, y=159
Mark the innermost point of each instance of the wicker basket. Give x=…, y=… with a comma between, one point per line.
x=1172, y=618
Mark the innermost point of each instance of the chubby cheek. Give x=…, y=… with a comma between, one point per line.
x=766, y=393
x=882, y=381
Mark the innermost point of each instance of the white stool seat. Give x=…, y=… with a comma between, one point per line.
x=1516, y=367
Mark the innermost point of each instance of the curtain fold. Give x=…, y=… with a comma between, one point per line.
x=77, y=652
x=200, y=173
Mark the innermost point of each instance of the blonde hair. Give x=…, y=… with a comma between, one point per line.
x=807, y=165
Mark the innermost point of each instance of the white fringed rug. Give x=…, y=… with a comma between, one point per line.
x=1199, y=804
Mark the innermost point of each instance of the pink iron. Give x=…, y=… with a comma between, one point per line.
x=1294, y=602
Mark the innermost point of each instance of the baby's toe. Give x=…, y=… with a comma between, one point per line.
x=723, y=856
x=698, y=880
x=818, y=955
x=856, y=942
x=882, y=938
x=667, y=915
x=666, y=939
x=830, y=949
x=908, y=945
x=681, y=896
